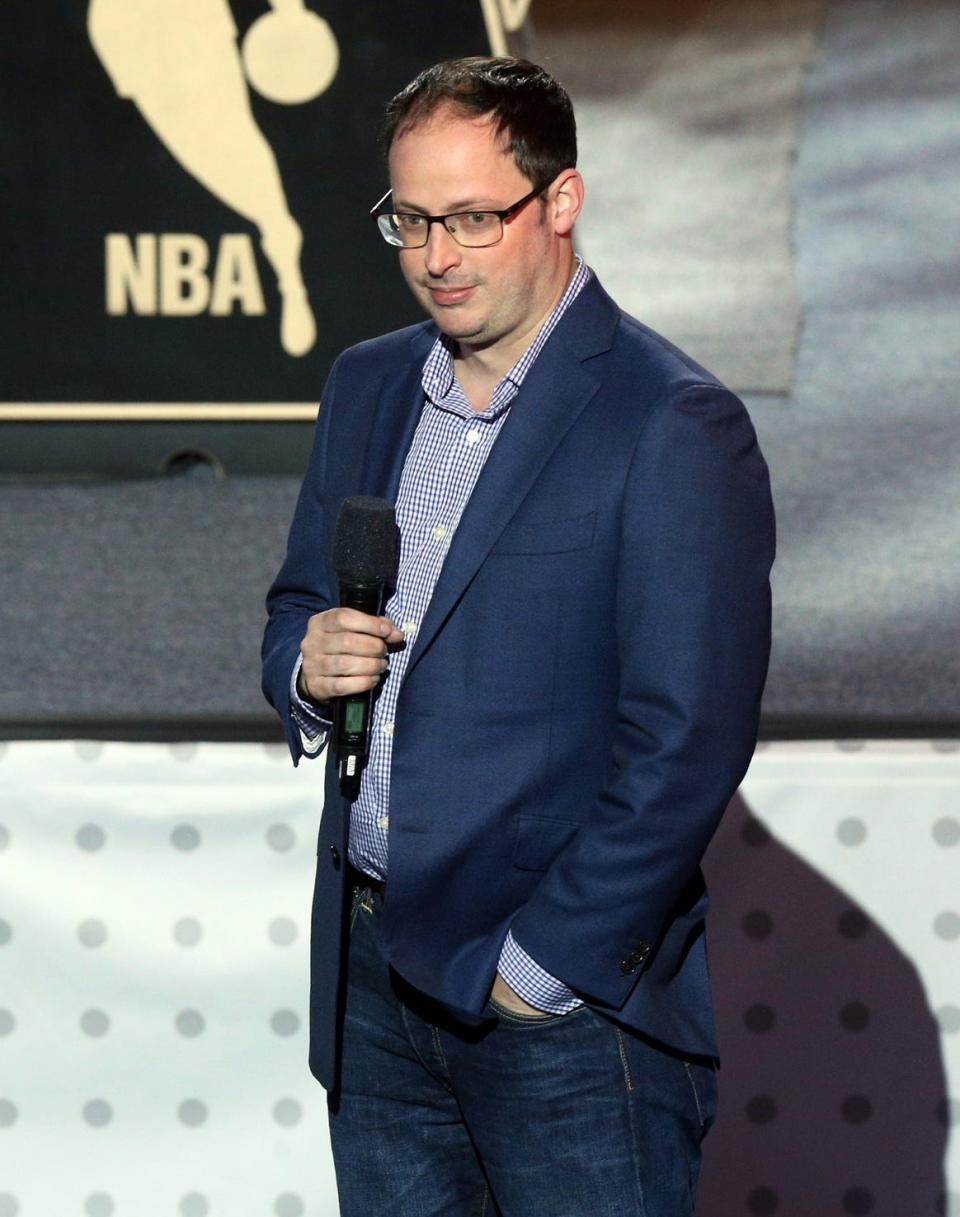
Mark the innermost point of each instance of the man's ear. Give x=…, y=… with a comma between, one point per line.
x=567, y=192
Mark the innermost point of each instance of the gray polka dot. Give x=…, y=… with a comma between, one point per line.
x=761, y=1109
x=282, y=931
x=7, y=1022
x=90, y=837
x=281, y=837
x=288, y=1204
x=947, y=925
x=760, y=1018
x=946, y=745
x=285, y=1022
x=757, y=925
x=946, y=831
x=948, y=1112
x=855, y=1016
x=190, y=1023
x=94, y=1023
x=8, y=1113
x=852, y=924
x=185, y=837
x=948, y=1017
x=949, y=1205
x=762, y=1202
x=186, y=750
x=851, y=831
x=97, y=1113
x=92, y=932
x=4, y=837
x=276, y=752
x=88, y=749
x=856, y=1109
x=9, y=1205
x=851, y=745
x=194, y=1205
x=192, y=1112
x=6, y=932
x=754, y=832
x=287, y=1112
x=858, y=1201
x=187, y=931
x=99, y=1204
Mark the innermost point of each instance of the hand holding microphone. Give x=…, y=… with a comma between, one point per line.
x=344, y=650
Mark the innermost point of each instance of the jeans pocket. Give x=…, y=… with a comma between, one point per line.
x=519, y=1019
x=703, y=1083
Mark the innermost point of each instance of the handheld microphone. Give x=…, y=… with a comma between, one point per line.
x=364, y=556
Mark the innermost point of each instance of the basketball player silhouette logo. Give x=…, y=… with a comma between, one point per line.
x=179, y=62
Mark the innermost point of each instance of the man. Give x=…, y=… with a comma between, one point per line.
x=509, y=998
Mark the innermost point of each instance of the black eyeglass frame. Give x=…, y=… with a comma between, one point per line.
x=502, y=214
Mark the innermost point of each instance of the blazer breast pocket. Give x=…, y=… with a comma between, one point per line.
x=548, y=537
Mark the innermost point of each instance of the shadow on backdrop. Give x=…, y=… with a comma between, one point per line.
x=832, y=1086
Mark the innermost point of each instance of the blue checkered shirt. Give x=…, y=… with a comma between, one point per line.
x=450, y=447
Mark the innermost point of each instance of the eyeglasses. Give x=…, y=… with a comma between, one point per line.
x=473, y=229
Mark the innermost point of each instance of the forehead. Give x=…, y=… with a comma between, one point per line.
x=451, y=158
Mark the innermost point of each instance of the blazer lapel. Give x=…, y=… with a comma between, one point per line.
x=555, y=391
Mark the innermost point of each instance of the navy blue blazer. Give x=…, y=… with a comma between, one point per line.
x=583, y=694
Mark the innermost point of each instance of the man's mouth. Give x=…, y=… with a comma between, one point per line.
x=447, y=296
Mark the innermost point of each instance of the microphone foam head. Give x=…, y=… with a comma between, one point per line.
x=365, y=541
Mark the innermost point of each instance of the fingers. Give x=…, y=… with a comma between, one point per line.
x=340, y=686
x=352, y=621
x=345, y=651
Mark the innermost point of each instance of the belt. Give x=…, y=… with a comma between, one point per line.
x=359, y=878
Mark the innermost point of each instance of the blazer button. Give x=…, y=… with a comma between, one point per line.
x=639, y=952
x=335, y=857
x=628, y=966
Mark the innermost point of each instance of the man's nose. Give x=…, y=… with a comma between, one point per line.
x=441, y=252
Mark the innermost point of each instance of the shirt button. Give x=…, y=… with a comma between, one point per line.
x=383, y=821
x=439, y=532
x=409, y=627
x=473, y=436
x=388, y=728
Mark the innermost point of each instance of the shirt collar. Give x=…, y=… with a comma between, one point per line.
x=439, y=379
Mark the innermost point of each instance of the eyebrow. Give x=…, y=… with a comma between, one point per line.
x=467, y=204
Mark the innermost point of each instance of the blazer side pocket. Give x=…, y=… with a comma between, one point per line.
x=539, y=840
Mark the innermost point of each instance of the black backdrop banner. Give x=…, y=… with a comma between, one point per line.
x=187, y=185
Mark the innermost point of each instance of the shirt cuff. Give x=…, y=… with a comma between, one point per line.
x=308, y=716
x=529, y=981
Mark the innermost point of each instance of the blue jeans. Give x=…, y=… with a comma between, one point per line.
x=561, y=1116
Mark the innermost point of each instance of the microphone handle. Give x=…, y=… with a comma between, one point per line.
x=351, y=717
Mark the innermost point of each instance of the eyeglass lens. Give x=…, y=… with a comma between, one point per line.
x=470, y=228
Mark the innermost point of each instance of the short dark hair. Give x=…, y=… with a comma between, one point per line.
x=529, y=108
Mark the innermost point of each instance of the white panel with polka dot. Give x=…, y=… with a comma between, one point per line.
x=154, y=909
x=154, y=983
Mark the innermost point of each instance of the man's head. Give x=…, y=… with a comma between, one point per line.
x=473, y=135
x=529, y=110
